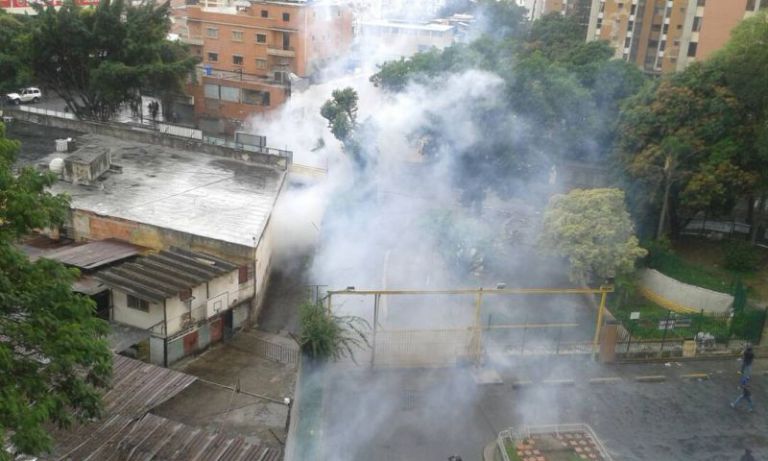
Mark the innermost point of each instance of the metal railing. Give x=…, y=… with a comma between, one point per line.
x=276, y=352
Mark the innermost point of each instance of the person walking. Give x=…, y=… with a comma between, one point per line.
x=746, y=394
x=746, y=361
x=747, y=456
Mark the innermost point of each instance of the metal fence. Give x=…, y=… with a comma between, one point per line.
x=670, y=333
x=276, y=352
x=249, y=148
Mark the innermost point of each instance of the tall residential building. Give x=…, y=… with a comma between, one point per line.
x=662, y=36
x=254, y=53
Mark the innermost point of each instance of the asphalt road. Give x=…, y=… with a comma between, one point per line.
x=431, y=414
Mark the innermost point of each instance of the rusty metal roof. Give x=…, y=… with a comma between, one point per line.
x=163, y=275
x=93, y=255
x=152, y=437
x=129, y=432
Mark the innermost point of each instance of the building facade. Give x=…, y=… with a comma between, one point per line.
x=254, y=53
x=187, y=300
x=663, y=36
x=390, y=39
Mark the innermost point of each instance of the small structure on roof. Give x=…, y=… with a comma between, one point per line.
x=185, y=299
x=87, y=164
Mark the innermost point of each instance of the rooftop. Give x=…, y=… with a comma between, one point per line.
x=163, y=275
x=128, y=430
x=194, y=193
x=93, y=255
x=425, y=26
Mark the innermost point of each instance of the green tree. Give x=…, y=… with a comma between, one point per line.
x=593, y=230
x=14, y=73
x=327, y=336
x=682, y=140
x=743, y=62
x=53, y=353
x=99, y=58
x=341, y=113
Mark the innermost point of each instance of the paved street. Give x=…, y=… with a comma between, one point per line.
x=641, y=411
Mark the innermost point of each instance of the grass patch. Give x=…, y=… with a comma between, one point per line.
x=653, y=317
x=704, y=263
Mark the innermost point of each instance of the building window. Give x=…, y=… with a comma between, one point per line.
x=692, y=49
x=264, y=13
x=750, y=5
x=237, y=35
x=261, y=38
x=138, y=304
x=286, y=17
x=213, y=57
x=256, y=97
x=697, y=23
x=701, y=3
x=212, y=32
x=665, y=29
x=230, y=94
x=261, y=63
x=237, y=60
x=211, y=91
x=244, y=274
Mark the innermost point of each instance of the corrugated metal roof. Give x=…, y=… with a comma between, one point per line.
x=163, y=275
x=154, y=438
x=93, y=255
x=129, y=432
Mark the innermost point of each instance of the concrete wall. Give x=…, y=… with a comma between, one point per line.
x=87, y=225
x=148, y=136
x=679, y=296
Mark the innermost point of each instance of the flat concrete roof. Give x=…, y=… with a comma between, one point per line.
x=190, y=192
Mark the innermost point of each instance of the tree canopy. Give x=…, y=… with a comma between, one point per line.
x=99, y=58
x=560, y=100
x=14, y=72
x=53, y=354
x=593, y=230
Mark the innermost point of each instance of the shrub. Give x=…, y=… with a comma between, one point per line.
x=740, y=256
x=325, y=336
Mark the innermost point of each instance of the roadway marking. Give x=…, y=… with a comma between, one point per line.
x=521, y=383
x=651, y=378
x=559, y=382
x=606, y=380
x=695, y=376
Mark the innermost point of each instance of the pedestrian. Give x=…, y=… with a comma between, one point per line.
x=746, y=361
x=746, y=394
x=747, y=456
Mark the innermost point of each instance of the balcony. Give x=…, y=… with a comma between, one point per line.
x=284, y=53
x=192, y=40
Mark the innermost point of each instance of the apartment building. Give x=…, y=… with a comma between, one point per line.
x=662, y=36
x=254, y=53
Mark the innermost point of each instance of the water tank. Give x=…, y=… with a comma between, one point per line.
x=56, y=165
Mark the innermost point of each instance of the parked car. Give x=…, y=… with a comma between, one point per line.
x=30, y=94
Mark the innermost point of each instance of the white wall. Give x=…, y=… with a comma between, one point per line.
x=123, y=314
